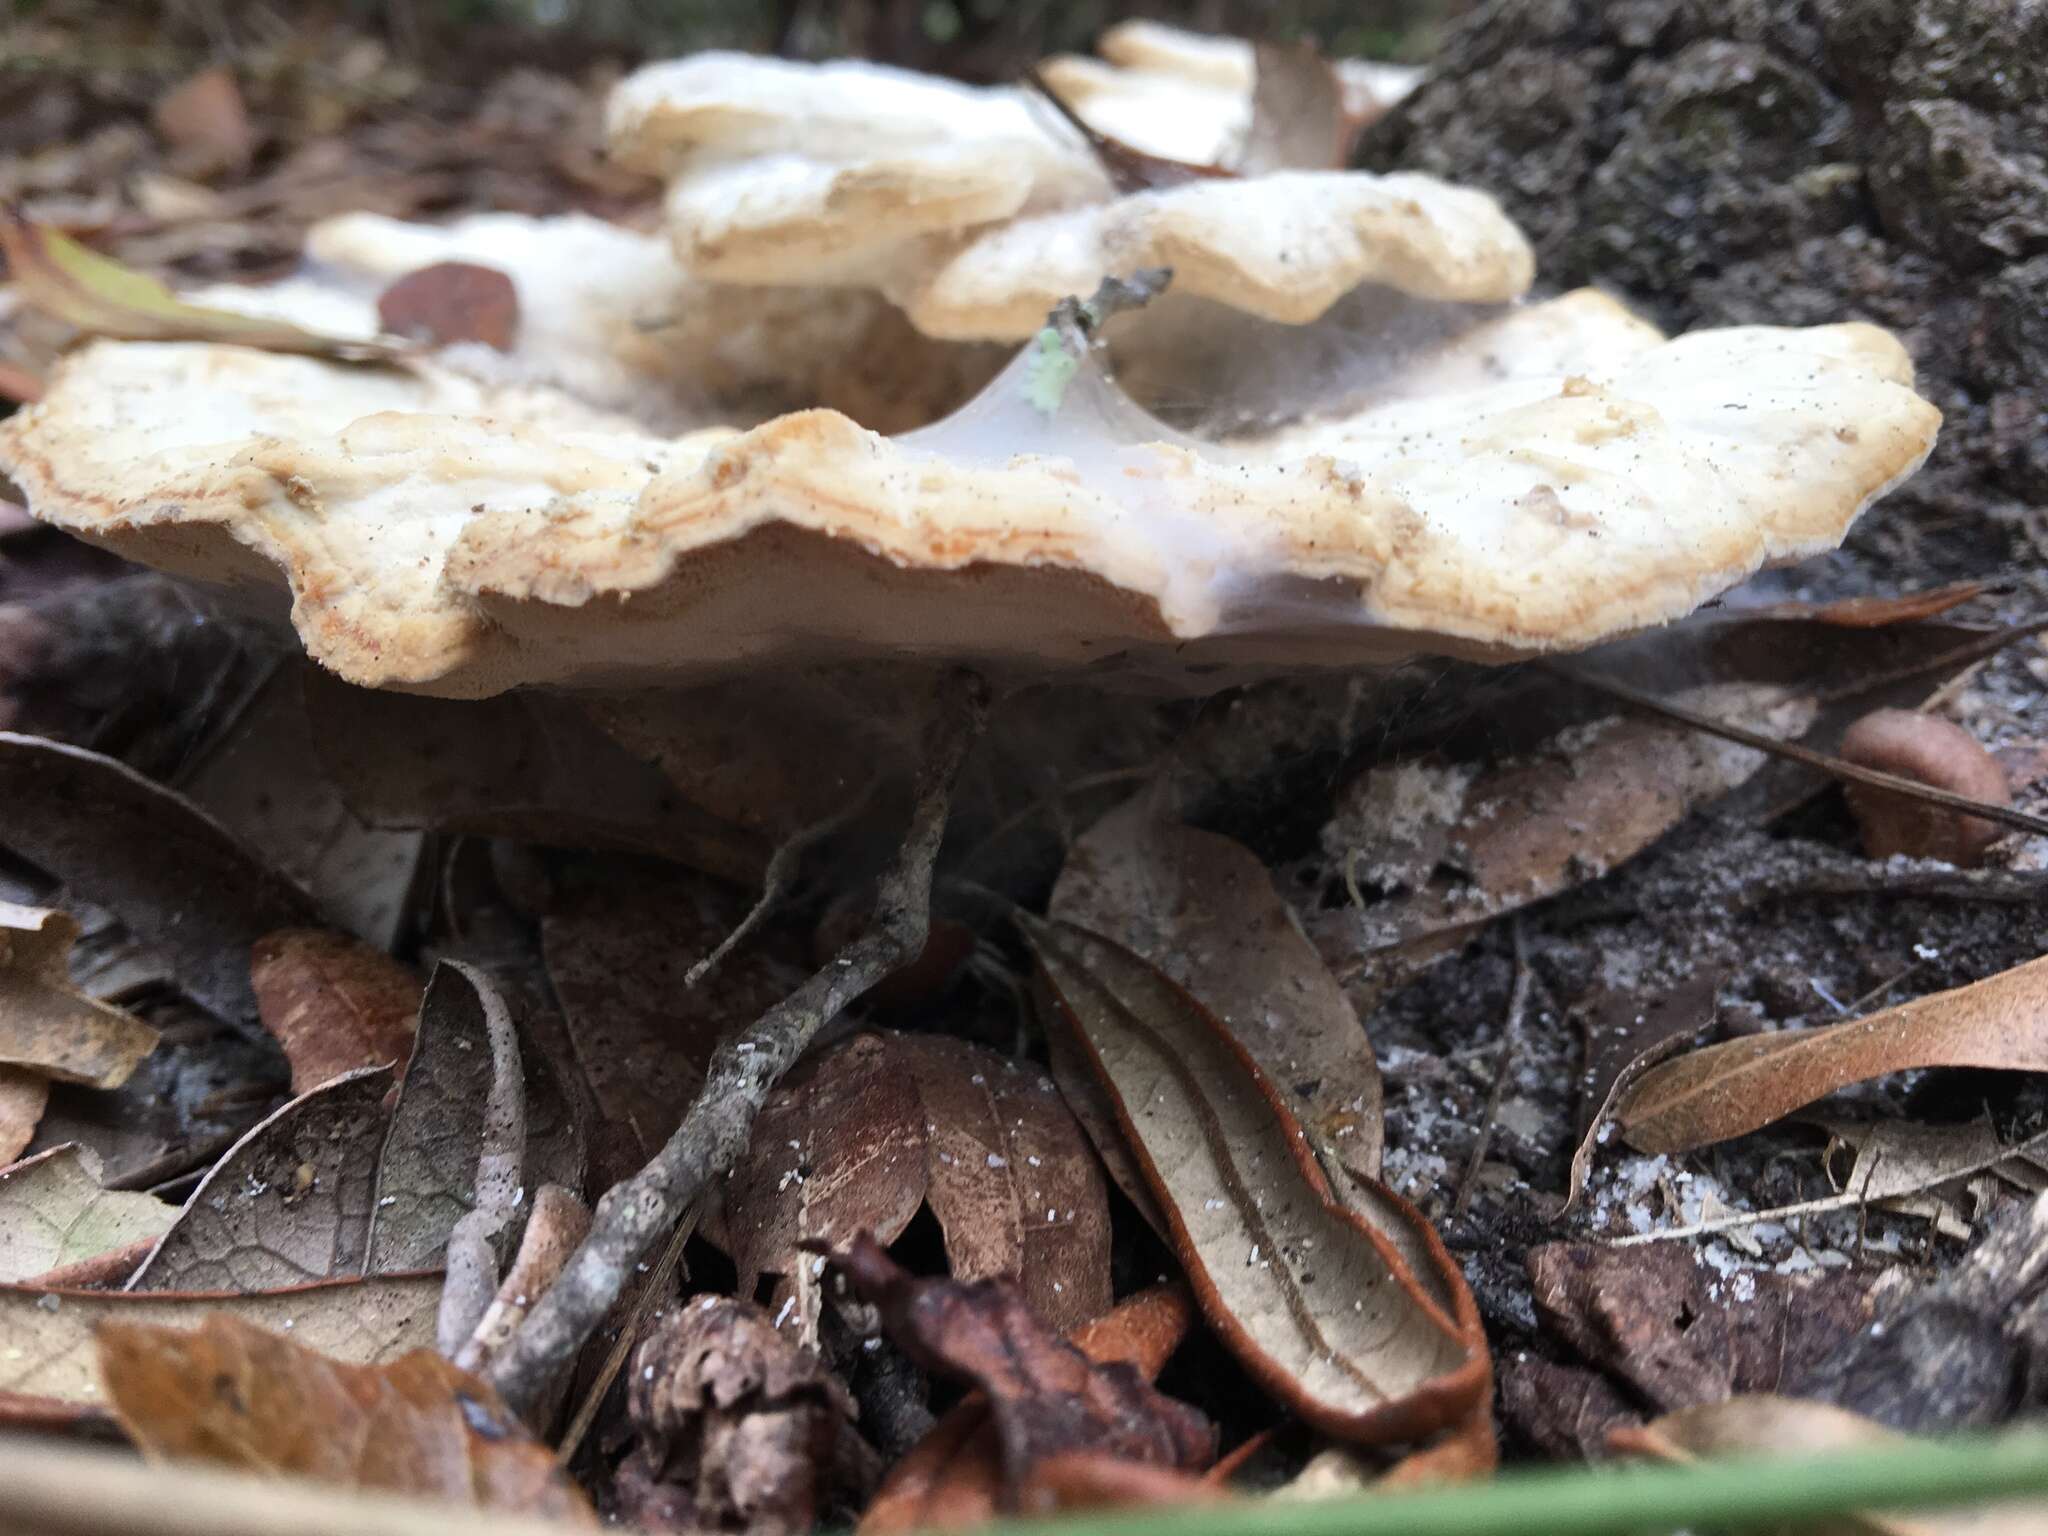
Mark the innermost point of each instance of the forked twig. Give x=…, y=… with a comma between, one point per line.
x=714, y=1134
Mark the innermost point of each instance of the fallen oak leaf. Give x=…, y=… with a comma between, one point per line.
x=334, y=1003
x=237, y=1395
x=288, y=1203
x=1360, y=1323
x=49, y=1358
x=1736, y=1086
x=99, y=295
x=48, y=1026
x=53, y=1213
x=953, y=1478
x=1045, y=1396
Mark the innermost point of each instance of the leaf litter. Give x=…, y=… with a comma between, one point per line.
x=1589, y=826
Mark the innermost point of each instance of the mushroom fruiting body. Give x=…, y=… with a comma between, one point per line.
x=1554, y=477
x=976, y=209
x=1930, y=750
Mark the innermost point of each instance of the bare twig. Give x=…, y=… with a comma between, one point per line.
x=713, y=1135
x=1837, y=767
x=1851, y=1198
x=781, y=870
x=472, y=1263
x=1504, y=1061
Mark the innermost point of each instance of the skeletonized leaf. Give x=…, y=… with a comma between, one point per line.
x=1359, y=1323
x=1203, y=909
x=173, y=875
x=235, y=1395
x=1764, y=1425
x=288, y=1203
x=333, y=1002
x=98, y=294
x=48, y=1351
x=54, y=1213
x=1740, y=1085
x=46, y=1024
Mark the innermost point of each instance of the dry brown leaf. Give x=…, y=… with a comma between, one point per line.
x=236, y=1395
x=1011, y=1178
x=1466, y=845
x=48, y=1026
x=1877, y=612
x=361, y=876
x=1359, y=1322
x=22, y=1097
x=48, y=1348
x=520, y=765
x=1203, y=909
x=1045, y=1396
x=1739, y=1085
x=175, y=877
x=952, y=1478
x=53, y=1213
x=334, y=1003
x=1764, y=1425
x=887, y=1122
x=452, y=301
x=839, y=1148
x=558, y=1223
x=288, y=1203
x=618, y=949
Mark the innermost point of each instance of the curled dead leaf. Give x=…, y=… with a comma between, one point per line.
x=53, y=1213
x=1360, y=1324
x=48, y=1026
x=1734, y=1086
x=1045, y=1396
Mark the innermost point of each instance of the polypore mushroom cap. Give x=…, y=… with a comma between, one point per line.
x=455, y=539
x=1229, y=64
x=976, y=208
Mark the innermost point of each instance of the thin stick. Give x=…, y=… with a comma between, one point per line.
x=775, y=880
x=1840, y=768
x=657, y=1286
x=1510, y=1038
x=714, y=1134
x=1848, y=1199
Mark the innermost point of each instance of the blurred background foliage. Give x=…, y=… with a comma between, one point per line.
x=971, y=39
